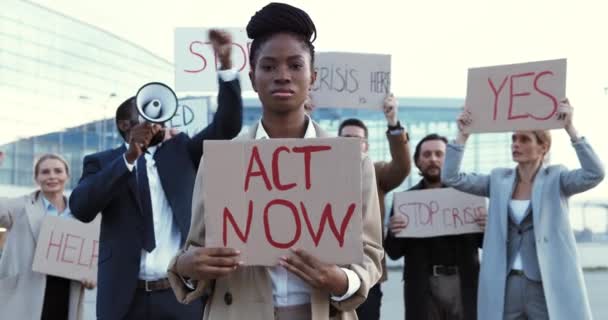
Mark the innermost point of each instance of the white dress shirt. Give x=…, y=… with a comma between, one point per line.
x=51, y=210
x=287, y=288
x=518, y=209
x=153, y=265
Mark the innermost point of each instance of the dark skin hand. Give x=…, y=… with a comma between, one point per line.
x=221, y=41
x=327, y=277
x=208, y=263
x=140, y=137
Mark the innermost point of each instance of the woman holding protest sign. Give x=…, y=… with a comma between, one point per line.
x=300, y=286
x=25, y=294
x=530, y=267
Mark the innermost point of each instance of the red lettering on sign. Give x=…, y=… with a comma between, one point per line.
x=67, y=246
x=446, y=214
x=469, y=215
x=433, y=210
x=191, y=48
x=307, y=151
x=513, y=79
x=244, y=56
x=80, y=263
x=54, y=244
x=229, y=217
x=512, y=94
x=262, y=164
x=94, y=254
x=70, y=245
x=423, y=213
x=546, y=94
x=327, y=217
x=275, y=170
x=456, y=217
x=296, y=217
x=255, y=156
x=496, y=94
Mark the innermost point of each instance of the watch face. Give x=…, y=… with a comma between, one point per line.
x=396, y=130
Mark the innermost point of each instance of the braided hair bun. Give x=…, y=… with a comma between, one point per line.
x=277, y=18
x=280, y=17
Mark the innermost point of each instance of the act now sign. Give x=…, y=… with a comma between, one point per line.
x=275, y=194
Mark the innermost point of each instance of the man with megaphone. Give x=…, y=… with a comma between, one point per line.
x=143, y=190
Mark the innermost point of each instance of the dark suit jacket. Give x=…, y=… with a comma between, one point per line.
x=109, y=188
x=417, y=269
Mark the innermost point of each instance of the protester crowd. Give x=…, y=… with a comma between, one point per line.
x=154, y=262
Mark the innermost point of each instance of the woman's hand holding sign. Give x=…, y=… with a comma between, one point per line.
x=208, y=263
x=327, y=277
x=565, y=113
x=88, y=284
x=464, y=121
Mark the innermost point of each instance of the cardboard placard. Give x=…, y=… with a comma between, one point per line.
x=351, y=80
x=68, y=248
x=438, y=212
x=516, y=97
x=270, y=195
x=196, y=64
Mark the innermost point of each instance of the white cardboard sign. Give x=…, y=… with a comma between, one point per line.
x=516, y=97
x=438, y=212
x=351, y=80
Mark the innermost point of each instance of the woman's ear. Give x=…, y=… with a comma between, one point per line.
x=545, y=149
x=313, y=78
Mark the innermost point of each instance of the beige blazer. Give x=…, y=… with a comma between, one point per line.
x=22, y=289
x=247, y=293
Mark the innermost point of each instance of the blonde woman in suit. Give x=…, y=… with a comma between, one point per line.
x=530, y=267
x=25, y=294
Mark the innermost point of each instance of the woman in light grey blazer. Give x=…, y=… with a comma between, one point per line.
x=530, y=267
x=25, y=294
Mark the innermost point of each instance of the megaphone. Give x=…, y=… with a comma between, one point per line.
x=156, y=102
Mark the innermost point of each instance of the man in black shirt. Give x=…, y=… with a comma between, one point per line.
x=440, y=273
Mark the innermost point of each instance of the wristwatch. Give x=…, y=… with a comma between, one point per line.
x=395, y=127
x=398, y=129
